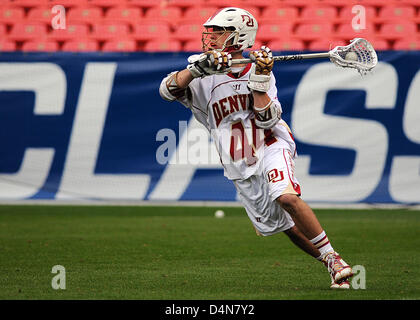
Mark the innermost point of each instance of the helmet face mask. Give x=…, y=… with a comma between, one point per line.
x=219, y=38
x=236, y=26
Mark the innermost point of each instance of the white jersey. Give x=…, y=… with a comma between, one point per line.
x=223, y=104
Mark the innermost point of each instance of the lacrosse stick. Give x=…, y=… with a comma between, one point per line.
x=359, y=55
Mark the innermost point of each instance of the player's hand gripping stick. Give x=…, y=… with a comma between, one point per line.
x=210, y=62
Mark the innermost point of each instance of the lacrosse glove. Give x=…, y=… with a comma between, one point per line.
x=263, y=62
x=208, y=63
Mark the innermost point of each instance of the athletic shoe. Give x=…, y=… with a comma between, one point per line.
x=339, y=270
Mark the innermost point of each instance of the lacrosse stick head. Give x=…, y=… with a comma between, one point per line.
x=359, y=55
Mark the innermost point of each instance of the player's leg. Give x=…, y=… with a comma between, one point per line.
x=302, y=214
x=299, y=239
x=267, y=216
x=284, y=189
x=307, y=222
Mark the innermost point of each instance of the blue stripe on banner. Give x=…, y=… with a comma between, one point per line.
x=91, y=126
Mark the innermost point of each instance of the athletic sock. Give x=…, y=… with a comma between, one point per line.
x=322, y=243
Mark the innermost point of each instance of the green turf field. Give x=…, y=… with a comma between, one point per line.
x=185, y=253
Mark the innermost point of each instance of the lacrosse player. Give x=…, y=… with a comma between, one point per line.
x=238, y=105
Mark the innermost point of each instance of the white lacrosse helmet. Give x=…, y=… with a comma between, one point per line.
x=242, y=25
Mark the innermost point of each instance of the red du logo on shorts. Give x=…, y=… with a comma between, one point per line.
x=275, y=175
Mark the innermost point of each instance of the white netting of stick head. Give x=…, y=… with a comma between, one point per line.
x=359, y=55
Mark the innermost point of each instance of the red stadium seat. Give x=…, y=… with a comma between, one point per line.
x=150, y=30
x=80, y=45
x=110, y=31
x=129, y=15
x=410, y=44
x=336, y=3
x=286, y=45
x=87, y=15
x=7, y=46
x=30, y=3
x=374, y=3
x=250, y=7
x=398, y=30
x=262, y=3
x=346, y=31
x=68, y=3
x=146, y=3
x=299, y=3
x=187, y=32
x=325, y=44
x=318, y=13
x=107, y=3
x=224, y=3
x=346, y=14
x=3, y=30
x=186, y=4
x=379, y=44
x=120, y=46
x=268, y=32
x=27, y=31
x=399, y=13
x=169, y=14
x=199, y=14
x=409, y=2
x=312, y=31
x=193, y=46
x=275, y=14
x=41, y=14
x=72, y=31
x=162, y=45
x=11, y=15
x=40, y=45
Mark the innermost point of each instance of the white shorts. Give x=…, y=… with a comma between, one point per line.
x=259, y=192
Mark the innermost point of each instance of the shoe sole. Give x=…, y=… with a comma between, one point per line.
x=342, y=285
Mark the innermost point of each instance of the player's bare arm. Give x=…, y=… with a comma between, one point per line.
x=183, y=78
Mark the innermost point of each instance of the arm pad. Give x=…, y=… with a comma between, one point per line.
x=169, y=89
x=267, y=117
